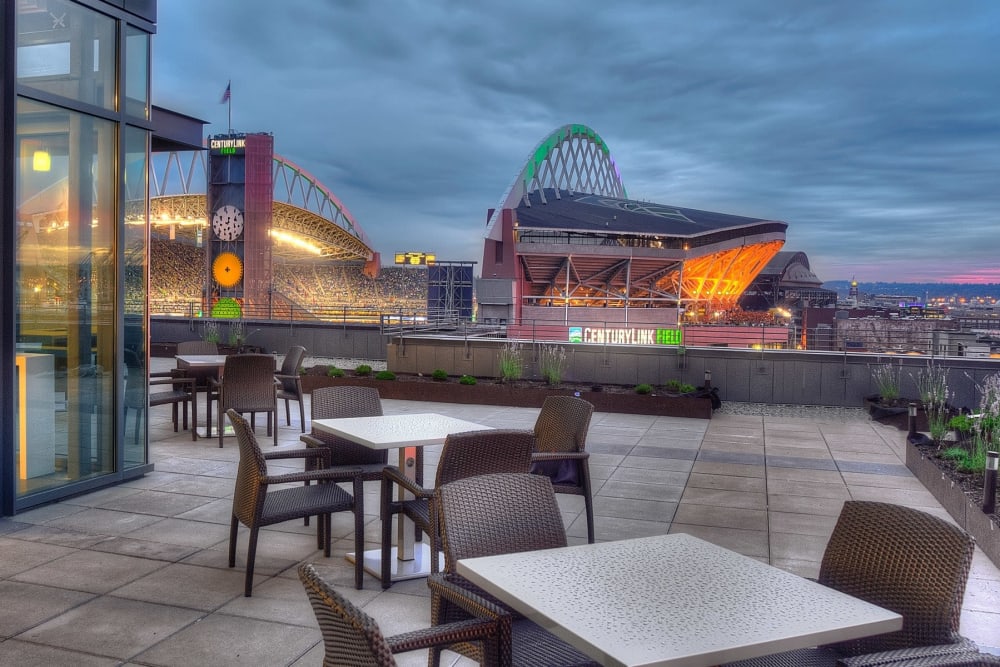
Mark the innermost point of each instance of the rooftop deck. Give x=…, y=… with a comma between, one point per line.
x=138, y=573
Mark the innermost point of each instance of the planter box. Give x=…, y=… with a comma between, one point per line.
x=520, y=397
x=965, y=513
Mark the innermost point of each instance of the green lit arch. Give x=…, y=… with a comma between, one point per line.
x=573, y=157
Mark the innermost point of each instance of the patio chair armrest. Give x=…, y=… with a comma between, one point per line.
x=559, y=456
x=466, y=596
x=476, y=629
x=311, y=440
x=343, y=474
x=321, y=453
x=294, y=378
x=960, y=653
x=393, y=475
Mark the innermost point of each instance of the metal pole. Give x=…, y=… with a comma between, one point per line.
x=912, y=423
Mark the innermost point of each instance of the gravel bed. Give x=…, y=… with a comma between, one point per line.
x=342, y=362
x=819, y=412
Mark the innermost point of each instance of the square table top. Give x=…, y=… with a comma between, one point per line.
x=199, y=360
x=672, y=600
x=394, y=431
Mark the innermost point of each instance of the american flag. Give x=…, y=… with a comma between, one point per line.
x=226, y=95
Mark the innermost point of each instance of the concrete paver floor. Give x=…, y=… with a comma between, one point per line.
x=137, y=574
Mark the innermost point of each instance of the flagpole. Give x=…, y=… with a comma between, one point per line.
x=230, y=104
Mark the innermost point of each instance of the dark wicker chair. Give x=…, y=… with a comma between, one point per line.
x=485, y=516
x=255, y=505
x=904, y=560
x=560, y=437
x=201, y=375
x=339, y=402
x=248, y=386
x=463, y=455
x=352, y=638
x=290, y=383
x=139, y=395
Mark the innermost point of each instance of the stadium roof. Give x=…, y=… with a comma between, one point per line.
x=566, y=211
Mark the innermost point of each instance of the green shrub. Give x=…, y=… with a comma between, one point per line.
x=467, y=379
x=962, y=423
x=439, y=375
x=687, y=388
x=363, y=369
x=385, y=375
x=644, y=388
x=674, y=386
x=335, y=372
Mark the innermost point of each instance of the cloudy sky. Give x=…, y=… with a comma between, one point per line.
x=871, y=127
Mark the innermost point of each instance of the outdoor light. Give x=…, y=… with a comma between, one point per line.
x=990, y=486
x=41, y=161
x=708, y=379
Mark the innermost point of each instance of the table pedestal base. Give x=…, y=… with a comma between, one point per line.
x=227, y=431
x=402, y=570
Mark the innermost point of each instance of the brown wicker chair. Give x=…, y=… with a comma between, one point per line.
x=139, y=395
x=463, y=455
x=290, y=383
x=485, y=516
x=339, y=402
x=255, y=505
x=904, y=560
x=201, y=375
x=560, y=436
x=352, y=638
x=248, y=386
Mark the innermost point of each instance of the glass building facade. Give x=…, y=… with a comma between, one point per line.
x=74, y=264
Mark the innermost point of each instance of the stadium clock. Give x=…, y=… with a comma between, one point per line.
x=227, y=223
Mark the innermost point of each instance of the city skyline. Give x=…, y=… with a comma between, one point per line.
x=869, y=128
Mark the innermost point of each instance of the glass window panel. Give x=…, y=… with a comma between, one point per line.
x=68, y=50
x=65, y=295
x=136, y=72
x=136, y=281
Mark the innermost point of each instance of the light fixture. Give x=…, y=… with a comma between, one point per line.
x=41, y=161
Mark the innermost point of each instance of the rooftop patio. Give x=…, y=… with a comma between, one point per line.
x=138, y=573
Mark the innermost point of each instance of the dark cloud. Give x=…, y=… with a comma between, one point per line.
x=869, y=127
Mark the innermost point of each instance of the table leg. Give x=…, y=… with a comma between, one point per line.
x=404, y=528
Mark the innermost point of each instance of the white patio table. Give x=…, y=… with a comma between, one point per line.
x=404, y=432
x=672, y=600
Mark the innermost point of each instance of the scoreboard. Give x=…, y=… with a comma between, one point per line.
x=415, y=258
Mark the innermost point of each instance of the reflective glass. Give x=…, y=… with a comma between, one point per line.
x=65, y=291
x=136, y=282
x=136, y=72
x=67, y=50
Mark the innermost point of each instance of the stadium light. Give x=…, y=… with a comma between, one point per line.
x=296, y=241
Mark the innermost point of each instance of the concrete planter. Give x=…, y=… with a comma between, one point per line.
x=965, y=513
x=520, y=396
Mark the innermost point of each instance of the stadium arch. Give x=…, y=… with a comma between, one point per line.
x=570, y=246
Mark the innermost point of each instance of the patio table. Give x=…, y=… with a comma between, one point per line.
x=403, y=432
x=217, y=361
x=672, y=600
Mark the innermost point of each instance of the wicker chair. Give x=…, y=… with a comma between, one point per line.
x=248, y=386
x=560, y=436
x=338, y=402
x=904, y=560
x=201, y=375
x=352, y=638
x=485, y=516
x=255, y=505
x=139, y=395
x=290, y=383
x=463, y=455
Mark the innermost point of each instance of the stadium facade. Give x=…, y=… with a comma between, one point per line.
x=568, y=252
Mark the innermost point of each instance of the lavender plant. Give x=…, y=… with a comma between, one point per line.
x=886, y=380
x=511, y=361
x=932, y=385
x=551, y=362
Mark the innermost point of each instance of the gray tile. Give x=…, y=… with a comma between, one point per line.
x=20, y=555
x=117, y=634
x=715, y=456
x=720, y=517
x=725, y=498
x=27, y=604
x=728, y=482
x=747, y=542
x=25, y=654
x=90, y=571
x=642, y=491
x=649, y=476
x=898, y=470
x=807, y=489
x=801, y=462
x=684, y=454
x=188, y=586
x=631, y=508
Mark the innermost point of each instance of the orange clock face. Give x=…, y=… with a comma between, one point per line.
x=227, y=269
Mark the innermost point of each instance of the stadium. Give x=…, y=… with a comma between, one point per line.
x=564, y=248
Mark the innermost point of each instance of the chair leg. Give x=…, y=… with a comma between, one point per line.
x=302, y=415
x=327, y=530
x=288, y=414
x=233, y=528
x=219, y=419
x=173, y=415
x=273, y=431
x=359, y=532
x=251, y=554
x=387, y=513
x=588, y=500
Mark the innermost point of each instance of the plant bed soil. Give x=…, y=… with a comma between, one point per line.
x=961, y=493
x=521, y=393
